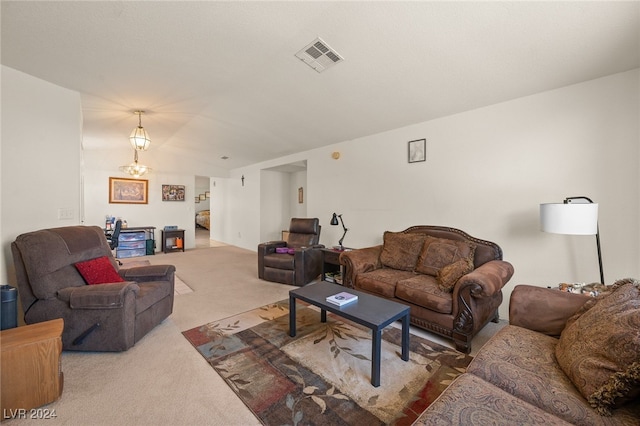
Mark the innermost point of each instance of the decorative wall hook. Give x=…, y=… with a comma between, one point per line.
x=242, y=179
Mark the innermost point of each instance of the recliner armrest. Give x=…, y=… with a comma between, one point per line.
x=543, y=309
x=306, y=248
x=270, y=247
x=487, y=279
x=98, y=296
x=148, y=273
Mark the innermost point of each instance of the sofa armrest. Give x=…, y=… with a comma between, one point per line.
x=487, y=279
x=99, y=296
x=148, y=273
x=543, y=309
x=359, y=261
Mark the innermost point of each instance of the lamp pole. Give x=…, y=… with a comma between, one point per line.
x=569, y=200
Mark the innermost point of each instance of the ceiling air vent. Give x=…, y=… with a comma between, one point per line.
x=318, y=55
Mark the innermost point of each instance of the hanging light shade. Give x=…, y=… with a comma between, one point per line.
x=135, y=169
x=139, y=137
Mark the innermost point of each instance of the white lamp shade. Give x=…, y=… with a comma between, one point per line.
x=570, y=218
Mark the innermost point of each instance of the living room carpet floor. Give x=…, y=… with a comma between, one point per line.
x=323, y=375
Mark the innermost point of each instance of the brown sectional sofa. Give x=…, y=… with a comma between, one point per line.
x=451, y=280
x=519, y=377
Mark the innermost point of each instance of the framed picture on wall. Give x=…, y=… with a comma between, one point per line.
x=173, y=192
x=418, y=151
x=128, y=191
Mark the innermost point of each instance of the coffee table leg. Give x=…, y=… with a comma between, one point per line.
x=405, y=338
x=376, y=338
x=323, y=315
x=292, y=316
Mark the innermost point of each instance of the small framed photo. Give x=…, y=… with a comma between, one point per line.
x=300, y=195
x=207, y=194
x=418, y=150
x=197, y=199
x=128, y=191
x=202, y=197
x=173, y=192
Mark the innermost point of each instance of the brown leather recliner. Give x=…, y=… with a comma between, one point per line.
x=99, y=317
x=303, y=261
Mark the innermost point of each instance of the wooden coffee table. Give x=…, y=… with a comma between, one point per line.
x=370, y=311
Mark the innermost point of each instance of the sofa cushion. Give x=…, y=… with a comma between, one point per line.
x=522, y=362
x=598, y=351
x=423, y=290
x=401, y=251
x=151, y=293
x=449, y=275
x=98, y=271
x=470, y=400
x=439, y=252
x=381, y=281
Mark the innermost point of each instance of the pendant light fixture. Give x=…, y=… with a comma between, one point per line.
x=139, y=137
x=136, y=169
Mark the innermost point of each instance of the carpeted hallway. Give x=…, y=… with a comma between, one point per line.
x=162, y=380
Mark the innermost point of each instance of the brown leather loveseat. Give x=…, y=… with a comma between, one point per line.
x=451, y=280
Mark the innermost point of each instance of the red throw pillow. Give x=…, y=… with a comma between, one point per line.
x=98, y=271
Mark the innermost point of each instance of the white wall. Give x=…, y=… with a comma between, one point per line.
x=487, y=171
x=275, y=204
x=279, y=201
x=156, y=213
x=169, y=168
x=296, y=209
x=41, y=127
x=218, y=213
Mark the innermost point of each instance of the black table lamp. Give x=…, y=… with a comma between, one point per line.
x=334, y=221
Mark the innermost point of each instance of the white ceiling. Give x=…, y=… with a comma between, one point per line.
x=221, y=78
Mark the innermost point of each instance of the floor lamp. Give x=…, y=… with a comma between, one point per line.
x=574, y=216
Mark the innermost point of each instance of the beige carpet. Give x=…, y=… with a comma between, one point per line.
x=162, y=380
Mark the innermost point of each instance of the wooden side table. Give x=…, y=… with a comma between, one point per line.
x=31, y=370
x=331, y=262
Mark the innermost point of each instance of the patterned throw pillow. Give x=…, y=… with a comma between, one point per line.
x=600, y=351
x=449, y=275
x=98, y=271
x=400, y=251
x=440, y=252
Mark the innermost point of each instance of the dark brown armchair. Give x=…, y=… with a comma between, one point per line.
x=100, y=317
x=301, y=259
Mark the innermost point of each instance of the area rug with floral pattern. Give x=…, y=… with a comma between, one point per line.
x=323, y=375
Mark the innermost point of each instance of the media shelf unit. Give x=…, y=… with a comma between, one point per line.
x=172, y=240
